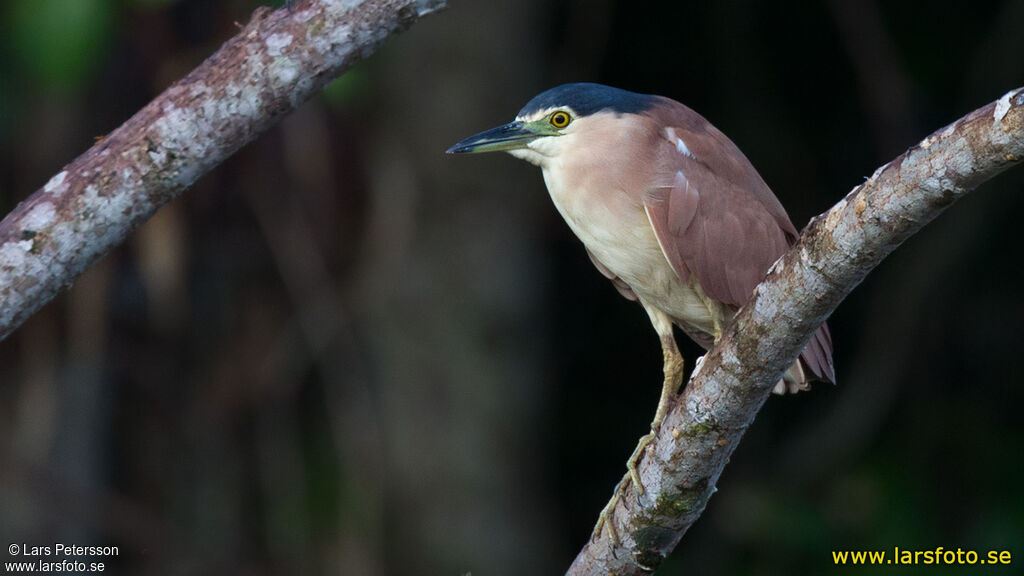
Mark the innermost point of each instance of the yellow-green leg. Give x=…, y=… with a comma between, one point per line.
x=715, y=310
x=673, y=371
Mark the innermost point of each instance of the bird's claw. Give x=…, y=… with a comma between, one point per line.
x=634, y=459
x=606, y=518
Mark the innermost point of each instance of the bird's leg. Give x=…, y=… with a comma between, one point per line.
x=673, y=371
x=717, y=324
x=715, y=311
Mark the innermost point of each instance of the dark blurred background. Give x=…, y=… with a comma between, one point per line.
x=344, y=352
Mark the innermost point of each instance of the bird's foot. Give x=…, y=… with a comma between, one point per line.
x=669, y=390
x=606, y=518
x=634, y=459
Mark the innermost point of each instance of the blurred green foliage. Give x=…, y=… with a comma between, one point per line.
x=60, y=42
x=352, y=86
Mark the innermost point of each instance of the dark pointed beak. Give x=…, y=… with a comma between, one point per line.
x=511, y=136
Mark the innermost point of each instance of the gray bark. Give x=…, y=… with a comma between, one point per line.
x=274, y=64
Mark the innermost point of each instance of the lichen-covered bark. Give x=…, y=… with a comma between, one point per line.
x=838, y=249
x=274, y=64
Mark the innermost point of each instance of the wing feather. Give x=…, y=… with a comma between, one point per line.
x=710, y=228
x=714, y=217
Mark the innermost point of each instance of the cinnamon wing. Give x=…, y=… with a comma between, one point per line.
x=713, y=215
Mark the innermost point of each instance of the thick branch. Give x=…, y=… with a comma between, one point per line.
x=277, y=62
x=834, y=254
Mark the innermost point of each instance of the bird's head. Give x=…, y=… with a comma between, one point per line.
x=557, y=121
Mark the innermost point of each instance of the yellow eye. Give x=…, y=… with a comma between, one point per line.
x=560, y=119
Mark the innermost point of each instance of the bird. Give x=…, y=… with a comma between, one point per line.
x=668, y=209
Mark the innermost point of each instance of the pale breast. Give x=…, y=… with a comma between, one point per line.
x=614, y=227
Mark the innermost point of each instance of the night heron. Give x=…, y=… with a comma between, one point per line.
x=668, y=209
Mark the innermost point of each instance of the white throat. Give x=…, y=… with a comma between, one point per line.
x=541, y=151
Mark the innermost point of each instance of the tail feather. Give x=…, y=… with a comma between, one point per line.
x=813, y=365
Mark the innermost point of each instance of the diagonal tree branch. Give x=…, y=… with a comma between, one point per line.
x=274, y=64
x=836, y=251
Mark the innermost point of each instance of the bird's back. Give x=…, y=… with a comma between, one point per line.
x=721, y=156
